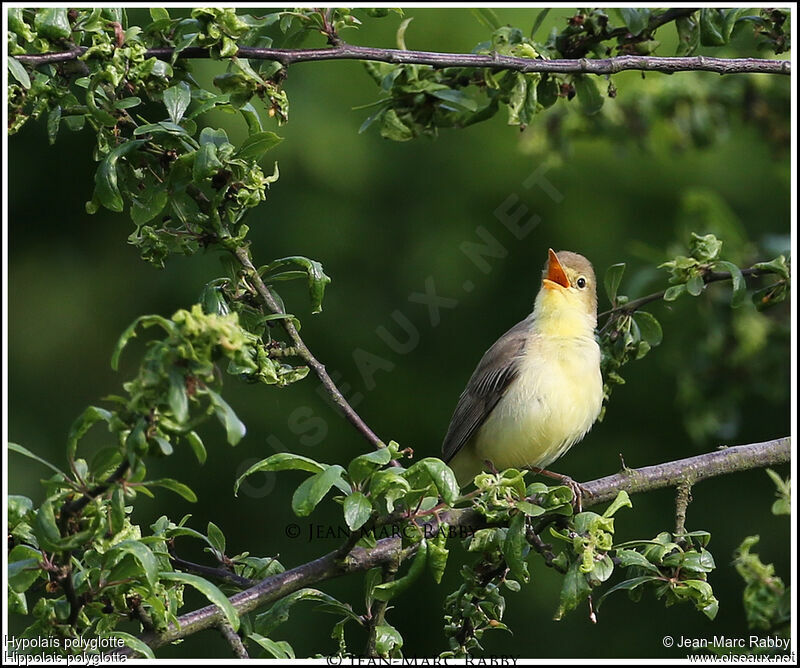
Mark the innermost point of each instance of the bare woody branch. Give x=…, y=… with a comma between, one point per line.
x=243, y=255
x=724, y=461
x=600, y=66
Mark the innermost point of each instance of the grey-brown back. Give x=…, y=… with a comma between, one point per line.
x=497, y=368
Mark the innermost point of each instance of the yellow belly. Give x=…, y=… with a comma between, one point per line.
x=549, y=407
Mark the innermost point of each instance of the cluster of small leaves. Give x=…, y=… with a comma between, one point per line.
x=185, y=191
x=629, y=333
x=674, y=568
x=766, y=599
x=420, y=99
x=375, y=492
x=90, y=555
x=586, y=558
x=478, y=605
x=625, y=336
x=772, y=29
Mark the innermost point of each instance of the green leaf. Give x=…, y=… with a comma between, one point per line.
x=268, y=621
x=632, y=558
x=635, y=19
x=537, y=23
x=622, y=500
x=143, y=555
x=196, y=444
x=393, y=128
x=176, y=100
x=276, y=649
x=629, y=585
x=46, y=529
x=738, y=285
x=131, y=641
x=256, y=145
x=695, y=285
x=281, y=461
x=456, y=97
x=317, y=278
x=387, y=639
x=24, y=567
x=612, y=280
x=148, y=205
x=130, y=332
x=52, y=23
x=673, y=292
x=206, y=162
x=234, y=427
x=177, y=398
x=15, y=447
x=17, y=71
x=440, y=475
x=313, y=489
x=209, y=590
x=589, y=97
x=688, y=35
x=487, y=18
x=515, y=547
x=105, y=179
x=53, y=124
x=357, y=510
x=574, y=590
x=649, y=327
x=388, y=590
x=159, y=14
x=216, y=538
x=82, y=424
x=174, y=486
x=363, y=466
x=776, y=266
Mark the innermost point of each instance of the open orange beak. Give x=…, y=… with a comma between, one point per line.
x=556, y=277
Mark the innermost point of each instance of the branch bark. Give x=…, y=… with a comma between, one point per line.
x=243, y=255
x=724, y=461
x=599, y=66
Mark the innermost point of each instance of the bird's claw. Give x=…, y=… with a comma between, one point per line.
x=578, y=490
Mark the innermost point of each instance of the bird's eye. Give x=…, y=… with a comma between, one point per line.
x=581, y=282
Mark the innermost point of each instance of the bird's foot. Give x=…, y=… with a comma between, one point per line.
x=578, y=490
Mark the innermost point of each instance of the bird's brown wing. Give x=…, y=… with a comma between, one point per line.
x=497, y=368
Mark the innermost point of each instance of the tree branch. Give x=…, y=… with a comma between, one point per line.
x=243, y=255
x=233, y=640
x=600, y=66
x=723, y=461
x=709, y=277
x=221, y=574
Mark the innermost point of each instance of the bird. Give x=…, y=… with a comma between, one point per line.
x=538, y=389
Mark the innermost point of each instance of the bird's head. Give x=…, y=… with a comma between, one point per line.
x=567, y=302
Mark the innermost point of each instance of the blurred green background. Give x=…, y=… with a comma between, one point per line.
x=384, y=218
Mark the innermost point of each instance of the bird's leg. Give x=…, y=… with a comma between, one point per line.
x=578, y=490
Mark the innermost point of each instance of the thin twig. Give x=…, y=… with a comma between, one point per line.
x=709, y=277
x=233, y=640
x=243, y=255
x=682, y=499
x=210, y=572
x=600, y=66
x=75, y=507
x=545, y=549
x=720, y=462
